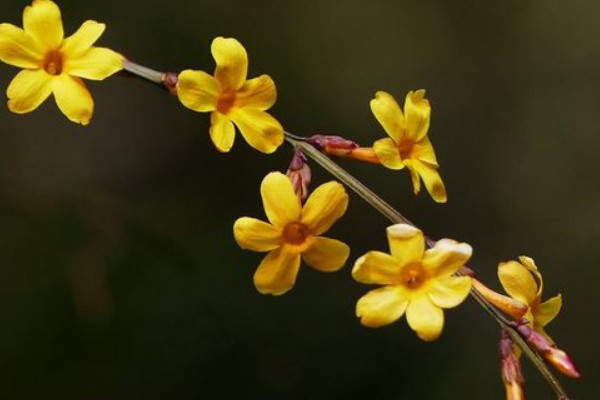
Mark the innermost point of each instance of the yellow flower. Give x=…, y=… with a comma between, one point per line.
x=418, y=281
x=523, y=282
x=53, y=64
x=408, y=144
x=231, y=98
x=294, y=232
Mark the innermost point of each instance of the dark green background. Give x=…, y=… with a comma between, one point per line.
x=119, y=275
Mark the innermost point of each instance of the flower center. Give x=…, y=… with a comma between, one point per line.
x=225, y=102
x=53, y=62
x=295, y=233
x=405, y=147
x=413, y=276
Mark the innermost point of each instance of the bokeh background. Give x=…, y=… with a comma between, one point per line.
x=119, y=275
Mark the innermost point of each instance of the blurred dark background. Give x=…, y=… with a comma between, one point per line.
x=119, y=275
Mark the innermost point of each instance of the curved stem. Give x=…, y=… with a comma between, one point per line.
x=394, y=216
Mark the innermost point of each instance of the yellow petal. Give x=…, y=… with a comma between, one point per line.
x=73, y=98
x=84, y=38
x=277, y=272
x=376, y=267
x=388, y=154
x=425, y=318
x=414, y=175
x=198, y=91
x=547, y=311
x=325, y=205
x=96, y=63
x=423, y=151
x=326, y=255
x=407, y=243
x=528, y=263
x=450, y=291
x=446, y=257
x=431, y=178
x=259, y=129
x=42, y=20
x=418, y=115
x=18, y=48
x=232, y=62
x=381, y=307
x=257, y=93
x=28, y=90
x=222, y=131
x=256, y=235
x=279, y=199
x=517, y=281
x=388, y=113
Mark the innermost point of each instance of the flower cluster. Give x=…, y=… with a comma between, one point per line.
x=419, y=278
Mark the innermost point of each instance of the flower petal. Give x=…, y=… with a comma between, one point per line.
x=325, y=205
x=528, y=263
x=381, y=307
x=198, y=91
x=73, y=98
x=431, y=178
x=97, y=64
x=326, y=255
x=28, y=90
x=277, y=272
x=84, y=38
x=425, y=318
x=407, y=243
x=42, y=20
x=232, y=62
x=222, y=131
x=376, y=267
x=423, y=151
x=388, y=153
x=517, y=281
x=418, y=115
x=281, y=204
x=446, y=257
x=450, y=291
x=259, y=93
x=388, y=113
x=261, y=130
x=414, y=175
x=547, y=311
x=18, y=48
x=256, y=235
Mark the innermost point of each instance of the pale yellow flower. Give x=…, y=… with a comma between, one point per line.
x=52, y=64
x=294, y=232
x=416, y=281
x=523, y=282
x=408, y=144
x=231, y=98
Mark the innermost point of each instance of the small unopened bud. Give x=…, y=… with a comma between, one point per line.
x=555, y=356
x=300, y=174
x=510, y=366
x=170, y=80
x=340, y=147
x=506, y=304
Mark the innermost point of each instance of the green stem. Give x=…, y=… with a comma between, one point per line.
x=144, y=72
x=394, y=216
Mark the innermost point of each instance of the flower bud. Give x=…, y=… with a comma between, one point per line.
x=511, y=370
x=300, y=174
x=555, y=356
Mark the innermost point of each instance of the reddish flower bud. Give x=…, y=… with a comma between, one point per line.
x=340, y=147
x=300, y=174
x=511, y=370
x=555, y=356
